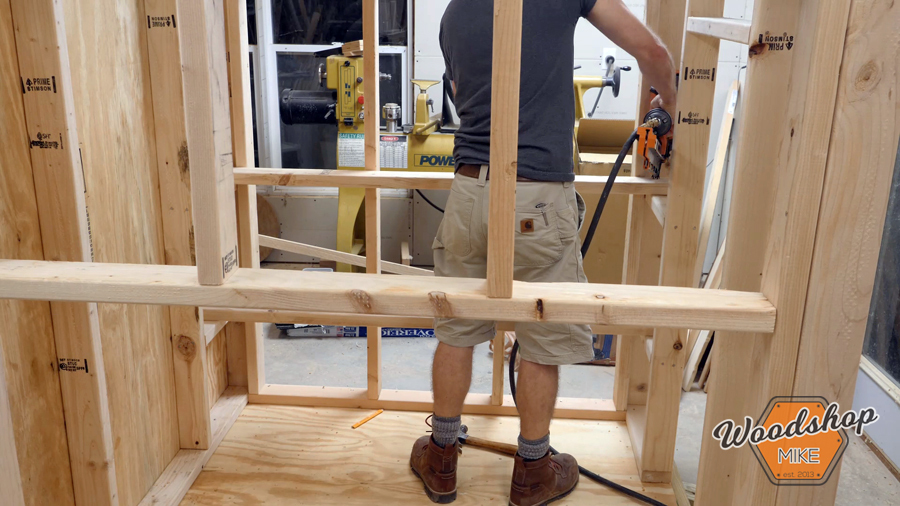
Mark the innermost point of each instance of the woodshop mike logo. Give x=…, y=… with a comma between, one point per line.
x=797, y=440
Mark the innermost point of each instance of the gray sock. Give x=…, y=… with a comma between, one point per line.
x=445, y=431
x=534, y=449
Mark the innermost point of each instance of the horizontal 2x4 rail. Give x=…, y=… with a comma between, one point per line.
x=624, y=305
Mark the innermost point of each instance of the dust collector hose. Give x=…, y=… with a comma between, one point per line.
x=605, y=195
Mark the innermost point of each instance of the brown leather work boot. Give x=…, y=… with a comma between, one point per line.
x=436, y=467
x=543, y=481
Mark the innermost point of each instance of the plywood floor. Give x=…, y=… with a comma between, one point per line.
x=278, y=455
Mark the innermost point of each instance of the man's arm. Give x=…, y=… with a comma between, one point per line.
x=626, y=31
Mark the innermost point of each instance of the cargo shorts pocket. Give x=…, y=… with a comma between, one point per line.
x=453, y=232
x=538, y=241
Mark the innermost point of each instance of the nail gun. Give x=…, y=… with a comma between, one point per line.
x=654, y=145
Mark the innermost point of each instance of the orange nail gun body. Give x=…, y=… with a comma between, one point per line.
x=654, y=145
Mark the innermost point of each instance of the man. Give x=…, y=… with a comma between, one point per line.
x=546, y=244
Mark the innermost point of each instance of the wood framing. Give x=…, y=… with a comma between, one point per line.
x=814, y=165
x=680, y=238
x=10, y=477
x=338, y=256
x=643, y=240
x=42, y=447
x=371, y=87
x=780, y=168
x=209, y=149
x=245, y=340
x=851, y=218
x=187, y=333
x=180, y=474
x=631, y=306
x=42, y=49
x=417, y=400
x=735, y=30
x=363, y=320
x=586, y=185
x=507, y=58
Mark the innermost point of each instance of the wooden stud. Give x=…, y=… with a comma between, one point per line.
x=586, y=185
x=622, y=305
x=680, y=237
x=371, y=81
x=338, y=256
x=405, y=257
x=780, y=170
x=10, y=478
x=421, y=400
x=735, y=30
x=246, y=345
x=207, y=114
x=52, y=133
x=194, y=429
x=643, y=240
x=187, y=332
x=507, y=58
x=497, y=376
x=848, y=240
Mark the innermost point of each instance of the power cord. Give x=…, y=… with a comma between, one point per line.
x=432, y=204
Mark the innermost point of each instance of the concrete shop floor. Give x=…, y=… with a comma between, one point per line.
x=341, y=362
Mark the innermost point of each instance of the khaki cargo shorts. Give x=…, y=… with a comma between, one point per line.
x=547, y=250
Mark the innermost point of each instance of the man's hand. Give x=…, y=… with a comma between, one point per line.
x=658, y=101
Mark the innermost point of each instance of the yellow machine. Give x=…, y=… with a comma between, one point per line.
x=422, y=146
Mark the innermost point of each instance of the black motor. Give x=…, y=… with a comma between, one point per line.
x=308, y=107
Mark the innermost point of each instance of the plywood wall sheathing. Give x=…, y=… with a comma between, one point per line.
x=56, y=154
x=31, y=378
x=216, y=367
x=113, y=110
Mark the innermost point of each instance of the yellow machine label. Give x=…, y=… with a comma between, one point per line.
x=433, y=161
x=348, y=92
x=351, y=151
x=394, y=149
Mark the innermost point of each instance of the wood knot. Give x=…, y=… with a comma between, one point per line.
x=642, y=387
x=440, y=304
x=868, y=76
x=758, y=49
x=186, y=347
x=598, y=296
x=184, y=163
x=678, y=345
x=361, y=300
x=539, y=309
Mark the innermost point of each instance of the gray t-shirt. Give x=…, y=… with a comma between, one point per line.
x=546, y=97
